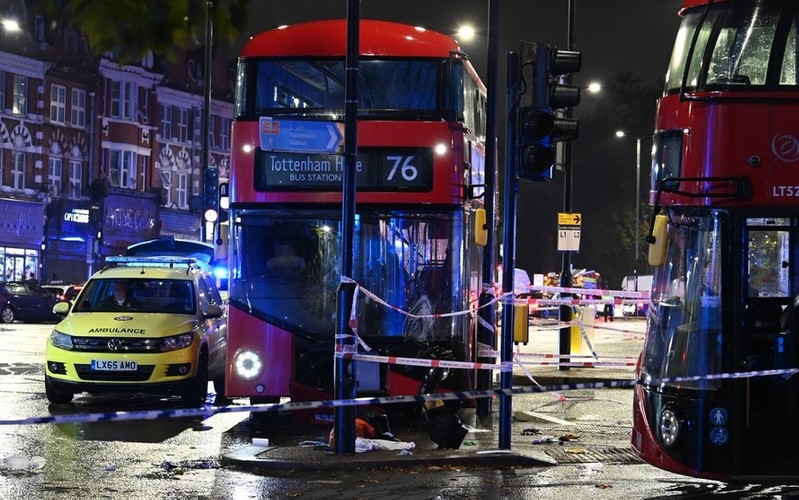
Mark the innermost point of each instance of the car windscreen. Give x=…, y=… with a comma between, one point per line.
x=138, y=295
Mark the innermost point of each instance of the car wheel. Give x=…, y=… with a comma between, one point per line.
x=219, y=387
x=194, y=397
x=56, y=396
x=7, y=315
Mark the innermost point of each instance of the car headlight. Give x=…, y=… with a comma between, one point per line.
x=176, y=342
x=61, y=340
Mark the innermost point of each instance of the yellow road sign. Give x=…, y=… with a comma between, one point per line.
x=567, y=219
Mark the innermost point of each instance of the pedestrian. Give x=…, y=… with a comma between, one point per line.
x=607, y=312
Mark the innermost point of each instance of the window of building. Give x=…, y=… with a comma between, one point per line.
x=182, y=191
x=166, y=122
x=122, y=99
x=20, y=104
x=54, y=175
x=75, y=179
x=144, y=106
x=58, y=104
x=224, y=134
x=78, y=118
x=18, y=171
x=183, y=125
x=122, y=169
x=211, y=130
x=166, y=183
x=2, y=91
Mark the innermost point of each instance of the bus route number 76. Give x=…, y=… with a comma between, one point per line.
x=403, y=164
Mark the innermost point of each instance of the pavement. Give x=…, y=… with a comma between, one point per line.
x=546, y=427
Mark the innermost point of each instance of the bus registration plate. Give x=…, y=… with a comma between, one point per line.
x=106, y=365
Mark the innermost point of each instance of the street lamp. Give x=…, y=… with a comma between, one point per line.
x=466, y=33
x=622, y=133
x=10, y=25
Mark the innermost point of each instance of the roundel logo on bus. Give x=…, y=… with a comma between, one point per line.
x=785, y=147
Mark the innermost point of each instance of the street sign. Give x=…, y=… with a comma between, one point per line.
x=569, y=232
x=300, y=136
x=567, y=219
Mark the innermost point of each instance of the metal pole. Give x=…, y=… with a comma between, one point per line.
x=344, y=376
x=637, y=196
x=486, y=335
x=510, y=188
x=206, y=115
x=564, y=339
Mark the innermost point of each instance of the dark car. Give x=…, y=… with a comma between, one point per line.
x=22, y=301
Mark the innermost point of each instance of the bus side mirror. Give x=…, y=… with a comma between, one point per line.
x=480, y=228
x=658, y=240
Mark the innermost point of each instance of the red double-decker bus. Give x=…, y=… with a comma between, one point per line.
x=420, y=179
x=718, y=394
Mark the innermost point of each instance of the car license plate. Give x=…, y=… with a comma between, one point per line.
x=113, y=365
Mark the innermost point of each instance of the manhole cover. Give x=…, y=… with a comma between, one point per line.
x=586, y=454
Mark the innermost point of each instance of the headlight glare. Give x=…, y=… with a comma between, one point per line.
x=248, y=364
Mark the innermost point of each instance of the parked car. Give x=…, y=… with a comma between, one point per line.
x=23, y=301
x=63, y=292
x=153, y=325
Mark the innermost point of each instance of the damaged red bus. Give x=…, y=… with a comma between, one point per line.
x=718, y=394
x=421, y=134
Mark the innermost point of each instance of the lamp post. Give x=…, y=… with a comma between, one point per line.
x=622, y=133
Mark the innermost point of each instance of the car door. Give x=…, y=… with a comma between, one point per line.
x=216, y=328
x=42, y=302
x=22, y=300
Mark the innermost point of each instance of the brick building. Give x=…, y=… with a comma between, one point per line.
x=95, y=155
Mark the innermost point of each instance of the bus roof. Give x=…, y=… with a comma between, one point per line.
x=329, y=38
x=689, y=4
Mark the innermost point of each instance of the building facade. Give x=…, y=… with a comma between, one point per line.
x=94, y=155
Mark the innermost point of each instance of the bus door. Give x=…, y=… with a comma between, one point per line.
x=771, y=406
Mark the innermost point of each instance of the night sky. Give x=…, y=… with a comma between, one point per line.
x=614, y=36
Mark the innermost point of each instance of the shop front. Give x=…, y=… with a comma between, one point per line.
x=71, y=237
x=127, y=218
x=180, y=224
x=21, y=238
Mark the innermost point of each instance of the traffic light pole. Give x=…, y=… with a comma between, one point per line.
x=511, y=184
x=568, y=171
x=486, y=335
x=206, y=117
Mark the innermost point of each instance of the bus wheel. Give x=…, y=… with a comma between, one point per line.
x=56, y=396
x=195, y=395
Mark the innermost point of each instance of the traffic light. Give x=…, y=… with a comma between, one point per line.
x=538, y=126
x=224, y=201
x=211, y=195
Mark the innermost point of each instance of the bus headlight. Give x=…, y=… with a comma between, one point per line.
x=248, y=364
x=670, y=427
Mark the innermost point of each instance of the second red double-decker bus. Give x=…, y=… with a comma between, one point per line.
x=718, y=394
x=420, y=169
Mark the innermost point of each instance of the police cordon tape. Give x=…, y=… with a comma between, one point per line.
x=209, y=411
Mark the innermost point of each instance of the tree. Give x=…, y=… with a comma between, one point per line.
x=604, y=177
x=132, y=28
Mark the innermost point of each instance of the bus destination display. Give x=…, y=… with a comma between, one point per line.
x=377, y=169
